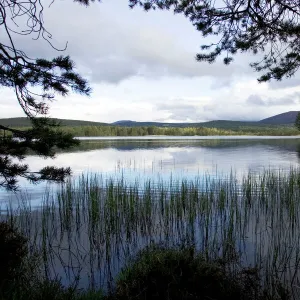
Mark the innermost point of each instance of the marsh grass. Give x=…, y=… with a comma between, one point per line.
x=92, y=226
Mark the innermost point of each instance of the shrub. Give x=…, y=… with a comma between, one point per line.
x=162, y=273
x=19, y=273
x=49, y=290
x=13, y=249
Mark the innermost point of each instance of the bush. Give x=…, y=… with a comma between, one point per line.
x=13, y=249
x=48, y=290
x=162, y=273
x=156, y=273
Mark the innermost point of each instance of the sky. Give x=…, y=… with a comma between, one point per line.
x=141, y=66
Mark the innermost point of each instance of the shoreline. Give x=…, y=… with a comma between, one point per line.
x=182, y=137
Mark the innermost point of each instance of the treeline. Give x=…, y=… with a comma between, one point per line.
x=173, y=131
x=176, y=131
x=142, y=131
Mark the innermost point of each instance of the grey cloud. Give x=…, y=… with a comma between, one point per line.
x=114, y=70
x=216, y=110
x=220, y=83
x=291, y=99
x=255, y=99
x=285, y=83
x=180, y=112
x=104, y=30
x=246, y=115
x=180, y=107
x=236, y=112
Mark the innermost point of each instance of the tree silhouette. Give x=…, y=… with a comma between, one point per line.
x=35, y=82
x=266, y=27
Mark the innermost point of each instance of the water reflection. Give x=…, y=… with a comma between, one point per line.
x=177, y=156
x=146, y=158
x=92, y=233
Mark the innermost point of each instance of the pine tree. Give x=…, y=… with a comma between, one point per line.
x=297, y=122
x=24, y=75
x=269, y=28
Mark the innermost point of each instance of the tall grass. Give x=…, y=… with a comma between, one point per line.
x=92, y=226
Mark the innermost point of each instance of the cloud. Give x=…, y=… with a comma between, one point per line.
x=142, y=67
x=291, y=99
x=113, y=69
x=180, y=112
x=205, y=109
x=113, y=43
x=255, y=100
x=213, y=109
x=285, y=83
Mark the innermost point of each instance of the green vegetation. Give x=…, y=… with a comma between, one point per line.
x=157, y=272
x=129, y=128
x=25, y=122
x=297, y=122
x=176, y=131
x=12, y=252
x=182, y=274
x=142, y=131
x=284, y=119
x=90, y=131
x=35, y=82
x=20, y=275
x=93, y=226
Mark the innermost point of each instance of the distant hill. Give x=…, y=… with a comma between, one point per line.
x=284, y=118
x=210, y=124
x=287, y=118
x=25, y=122
x=121, y=122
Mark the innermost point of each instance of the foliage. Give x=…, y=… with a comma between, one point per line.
x=12, y=251
x=157, y=272
x=22, y=122
x=179, y=131
x=270, y=28
x=285, y=119
x=166, y=273
x=42, y=139
x=91, y=295
x=35, y=83
x=20, y=276
x=297, y=122
x=95, y=224
x=47, y=290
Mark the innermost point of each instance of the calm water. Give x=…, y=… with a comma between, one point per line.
x=162, y=157
x=89, y=239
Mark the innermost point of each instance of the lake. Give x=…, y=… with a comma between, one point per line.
x=162, y=157
x=211, y=191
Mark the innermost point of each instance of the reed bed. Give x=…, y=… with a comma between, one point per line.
x=92, y=226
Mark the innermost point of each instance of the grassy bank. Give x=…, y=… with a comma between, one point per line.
x=92, y=227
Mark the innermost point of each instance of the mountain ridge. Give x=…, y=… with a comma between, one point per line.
x=287, y=118
x=283, y=118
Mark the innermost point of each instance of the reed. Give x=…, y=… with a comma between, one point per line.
x=90, y=228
